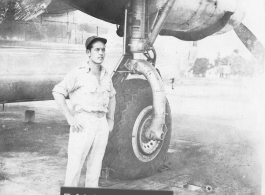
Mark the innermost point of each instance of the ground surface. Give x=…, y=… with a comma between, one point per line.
x=215, y=142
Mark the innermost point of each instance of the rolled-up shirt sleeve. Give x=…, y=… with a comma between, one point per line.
x=66, y=85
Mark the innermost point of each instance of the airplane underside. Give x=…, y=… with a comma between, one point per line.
x=141, y=136
x=186, y=18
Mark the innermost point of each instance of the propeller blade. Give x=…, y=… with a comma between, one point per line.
x=251, y=42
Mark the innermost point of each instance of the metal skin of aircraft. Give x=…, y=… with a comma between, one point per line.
x=141, y=136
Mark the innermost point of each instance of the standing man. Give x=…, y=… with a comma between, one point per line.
x=92, y=95
x=172, y=82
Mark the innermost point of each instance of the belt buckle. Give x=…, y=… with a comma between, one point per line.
x=100, y=114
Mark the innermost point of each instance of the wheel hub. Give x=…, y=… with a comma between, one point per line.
x=146, y=145
x=144, y=149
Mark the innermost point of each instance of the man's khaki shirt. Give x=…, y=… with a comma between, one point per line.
x=84, y=90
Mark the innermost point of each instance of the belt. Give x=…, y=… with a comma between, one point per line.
x=98, y=114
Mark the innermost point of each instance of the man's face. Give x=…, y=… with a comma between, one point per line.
x=97, y=52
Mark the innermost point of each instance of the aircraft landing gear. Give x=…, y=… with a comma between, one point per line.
x=141, y=135
x=129, y=154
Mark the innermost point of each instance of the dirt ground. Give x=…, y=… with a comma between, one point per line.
x=216, y=143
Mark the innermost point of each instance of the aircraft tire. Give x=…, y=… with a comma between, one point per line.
x=129, y=155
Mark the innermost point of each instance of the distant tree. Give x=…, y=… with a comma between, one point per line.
x=225, y=60
x=239, y=65
x=200, y=66
x=217, y=60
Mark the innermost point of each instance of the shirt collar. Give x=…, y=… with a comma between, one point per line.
x=102, y=72
x=85, y=67
x=88, y=69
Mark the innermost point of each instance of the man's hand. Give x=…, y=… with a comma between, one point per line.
x=74, y=123
x=111, y=124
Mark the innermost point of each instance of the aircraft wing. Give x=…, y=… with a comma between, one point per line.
x=29, y=9
x=188, y=20
x=59, y=7
x=109, y=11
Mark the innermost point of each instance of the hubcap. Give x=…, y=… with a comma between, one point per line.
x=144, y=149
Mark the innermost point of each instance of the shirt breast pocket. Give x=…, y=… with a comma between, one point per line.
x=108, y=87
x=87, y=87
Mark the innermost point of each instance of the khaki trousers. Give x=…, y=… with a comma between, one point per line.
x=92, y=141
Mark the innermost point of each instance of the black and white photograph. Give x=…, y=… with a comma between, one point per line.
x=132, y=97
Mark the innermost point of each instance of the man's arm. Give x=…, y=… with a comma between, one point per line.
x=60, y=100
x=110, y=115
